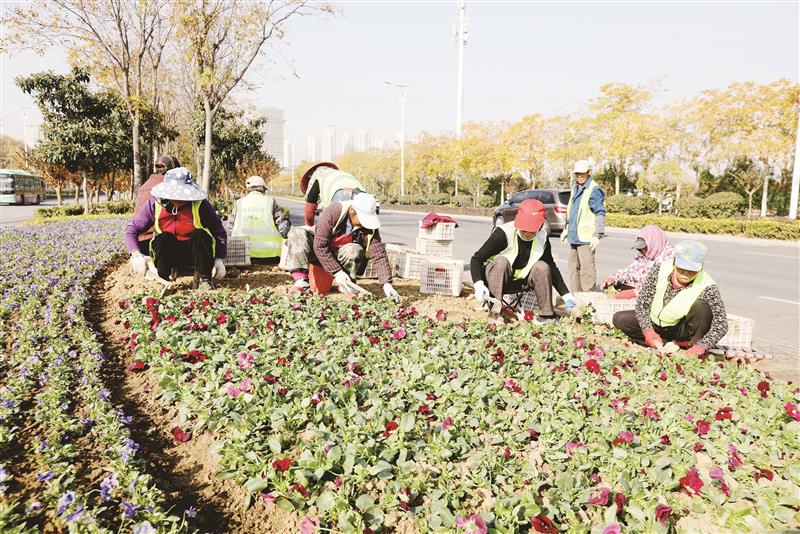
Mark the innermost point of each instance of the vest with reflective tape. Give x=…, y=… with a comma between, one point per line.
x=585, y=216
x=254, y=219
x=342, y=215
x=331, y=182
x=677, y=308
x=181, y=224
x=512, y=249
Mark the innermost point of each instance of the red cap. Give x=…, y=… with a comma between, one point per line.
x=307, y=175
x=530, y=216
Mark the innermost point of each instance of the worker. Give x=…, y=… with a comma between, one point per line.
x=518, y=257
x=187, y=231
x=652, y=248
x=585, y=225
x=346, y=236
x=679, y=301
x=163, y=164
x=258, y=217
x=324, y=184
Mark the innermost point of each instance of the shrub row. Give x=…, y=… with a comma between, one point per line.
x=764, y=229
x=718, y=205
x=440, y=199
x=631, y=205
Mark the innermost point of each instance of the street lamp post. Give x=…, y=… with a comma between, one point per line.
x=401, y=91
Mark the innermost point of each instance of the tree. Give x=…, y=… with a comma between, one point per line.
x=749, y=178
x=222, y=39
x=664, y=177
x=8, y=146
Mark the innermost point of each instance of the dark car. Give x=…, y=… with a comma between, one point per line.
x=555, y=204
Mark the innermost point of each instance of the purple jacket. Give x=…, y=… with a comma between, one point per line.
x=146, y=217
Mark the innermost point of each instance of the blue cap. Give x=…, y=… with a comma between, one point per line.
x=689, y=255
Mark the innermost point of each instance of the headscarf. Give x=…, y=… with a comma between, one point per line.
x=655, y=238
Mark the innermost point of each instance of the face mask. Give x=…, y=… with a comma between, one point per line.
x=529, y=239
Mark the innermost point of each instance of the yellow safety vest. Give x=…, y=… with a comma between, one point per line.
x=585, y=216
x=195, y=221
x=343, y=214
x=332, y=181
x=254, y=220
x=512, y=249
x=677, y=308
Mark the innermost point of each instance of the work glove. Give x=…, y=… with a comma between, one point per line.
x=346, y=285
x=391, y=292
x=625, y=294
x=608, y=282
x=569, y=301
x=696, y=350
x=564, y=235
x=218, y=271
x=593, y=243
x=652, y=339
x=481, y=291
x=139, y=263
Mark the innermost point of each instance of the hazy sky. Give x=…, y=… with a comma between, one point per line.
x=521, y=58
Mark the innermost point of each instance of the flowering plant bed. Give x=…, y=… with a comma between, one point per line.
x=366, y=416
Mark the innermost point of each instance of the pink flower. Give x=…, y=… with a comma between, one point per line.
x=447, y=423
x=601, y=498
x=620, y=404
x=245, y=386
x=624, y=437
x=701, y=428
x=734, y=460
x=719, y=476
x=441, y=315
x=571, y=446
x=473, y=524
x=181, y=436
x=269, y=499
x=792, y=411
x=308, y=526
x=316, y=398
x=649, y=412
x=513, y=386
x=691, y=482
x=233, y=391
x=245, y=361
x=400, y=333
x=662, y=513
x=612, y=529
x=595, y=478
x=724, y=413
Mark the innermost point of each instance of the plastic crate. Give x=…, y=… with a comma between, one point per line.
x=528, y=301
x=238, y=252
x=408, y=263
x=438, y=231
x=392, y=251
x=440, y=248
x=740, y=332
x=441, y=276
x=603, y=306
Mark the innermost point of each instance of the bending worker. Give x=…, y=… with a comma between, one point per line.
x=586, y=222
x=257, y=216
x=163, y=164
x=188, y=231
x=346, y=237
x=518, y=256
x=679, y=301
x=324, y=184
x=652, y=248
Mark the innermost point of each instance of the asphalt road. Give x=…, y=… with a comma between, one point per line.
x=13, y=215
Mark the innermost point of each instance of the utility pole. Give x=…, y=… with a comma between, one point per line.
x=401, y=92
x=460, y=36
x=795, y=175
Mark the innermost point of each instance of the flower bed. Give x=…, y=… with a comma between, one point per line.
x=367, y=416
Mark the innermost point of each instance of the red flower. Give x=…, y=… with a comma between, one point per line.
x=541, y=523
x=691, y=482
x=400, y=333
x=665, y=440
x=181, y=436
x=619, y=500
x=528, y=315
x=662, y=513
x=405, y=497
x=270, y=378
x=137, y=366
x=507, y=453
x=282, y=466
x=389, y=428
x=663, y=376
x=624, y=437
x=792, y=411
x=649, y=412
x=734, y=460
x=698, y=447
x=123, y=304
x=533, y=434
x=299, y=488
x=600, y=499
x=701, y=428
x=724, y=413
x=221, y=318
x=441, y=315
x=283, y=391
x=194, y=356
x=763, y=473
x=592, y=366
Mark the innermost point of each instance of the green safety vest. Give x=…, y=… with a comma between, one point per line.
x=585, y=216
x=677, y=308
x=332, y=181
x=195, y=221
x=512, y=249
x=254, y=220
x=343, y=214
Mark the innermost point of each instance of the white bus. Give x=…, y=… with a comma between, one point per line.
x=20, y=187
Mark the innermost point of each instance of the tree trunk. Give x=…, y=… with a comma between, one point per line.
x=207, y=146
x=77, y=193
x=85, y=194
x=58, y=195
x=764, y=196
x=502, y=191
x=138, y=170
x=111, y=189
x=750, y=203
x=616, y=183
x=678, y=191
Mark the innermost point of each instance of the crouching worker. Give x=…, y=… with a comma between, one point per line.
x=679, y=301
x=257, y=216
x=188, y=233
x=346, y=237
x=516, y=257
x=652, y=248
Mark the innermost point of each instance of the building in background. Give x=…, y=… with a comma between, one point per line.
x=313, y=149
x=288, y=154
x=363, y=140
x=347, y=144
x=327, y=148
x=274, y=134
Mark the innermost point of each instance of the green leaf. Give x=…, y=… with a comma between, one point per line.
x=274, y=445
x=364, y=502
x=407, y=422
x=256, y=484
x=326, y=501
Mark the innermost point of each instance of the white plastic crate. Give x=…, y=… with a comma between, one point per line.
x=604, y=307
x=528, y=301
x=392, y=251
x=238, y=252
x=740, y=332
x=441, y=248
x=438, y=231
x=408, y=263
x=441, y=276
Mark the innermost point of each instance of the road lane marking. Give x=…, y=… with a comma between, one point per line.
x=781, y=300
x=773, y=255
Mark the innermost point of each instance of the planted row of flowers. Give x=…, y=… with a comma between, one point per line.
x=52, y=385
x=364, y=415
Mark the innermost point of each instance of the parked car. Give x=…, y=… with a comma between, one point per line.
x=555, y=204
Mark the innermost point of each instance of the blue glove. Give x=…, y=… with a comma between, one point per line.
x=569, y=301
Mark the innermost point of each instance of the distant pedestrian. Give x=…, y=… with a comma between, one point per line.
x=652, y=247
x=586, y=222
x=163, y=164
x=258, y=217
x=324, y=184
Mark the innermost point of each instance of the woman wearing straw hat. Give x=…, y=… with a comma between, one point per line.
x=187, y=231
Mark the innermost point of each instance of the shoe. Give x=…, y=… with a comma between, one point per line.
x=301, y=284
x=206, y=285
x=543, y=319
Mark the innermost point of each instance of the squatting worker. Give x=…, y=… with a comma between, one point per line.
x=257, y=216
x=346, y=237
x=678, y=302
x=586, y=222
x=163, y=164
x=188, y=231
x=518, y=256
x=652, y=248
x=324, y=184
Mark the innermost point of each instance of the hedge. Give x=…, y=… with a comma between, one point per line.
x=631, y=205
x=764, y=229
x=716, y=206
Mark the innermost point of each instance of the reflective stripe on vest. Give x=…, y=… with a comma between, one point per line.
x=333, y=181
x=198, y=225
x=585, y=216
x=254, y=219
x=512, y=249
x=677, y=308
x=342, y=215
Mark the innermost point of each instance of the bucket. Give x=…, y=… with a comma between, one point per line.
x=320, y=279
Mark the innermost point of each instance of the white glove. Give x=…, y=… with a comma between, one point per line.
x=218, y=271
x=564, y=235
x=481, y=291
x=593, y=243
x=139, y=263
x=391, y=292
x=343, y=281
x=569, y=301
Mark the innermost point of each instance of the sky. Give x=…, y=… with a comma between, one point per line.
x=521, y=58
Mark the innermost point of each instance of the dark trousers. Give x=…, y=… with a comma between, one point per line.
x=690, y=329
x=500, y=280
x=195, y=253
x=144, y=247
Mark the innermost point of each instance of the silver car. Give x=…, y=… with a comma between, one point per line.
x=555, y=204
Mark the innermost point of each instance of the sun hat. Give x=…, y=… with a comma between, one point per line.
x=530, y=216
x=366, y=207
x=178, y=184
x=307, y=175
x=255, y=181
x=582, y=166
x=639, y=244
x=689, y=255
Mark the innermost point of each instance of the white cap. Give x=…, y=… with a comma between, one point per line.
x=582, y=166
x=255, y=181
x=366, y=207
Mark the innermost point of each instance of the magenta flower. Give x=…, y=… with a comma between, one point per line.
x=792, y=411
x=701, y=428
x=612, y=529
x=400, y=333
x=447, y=423
x=624, y=437
x=441, y=315
x=734, y=460
x=245, y=361
x=691, y=482
x=473, y=524
x=571, y=446
x=601, y=498
x=662, y=513
x=650, y=413
x=309, y=526
x=717, y=474
x=234, y=391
